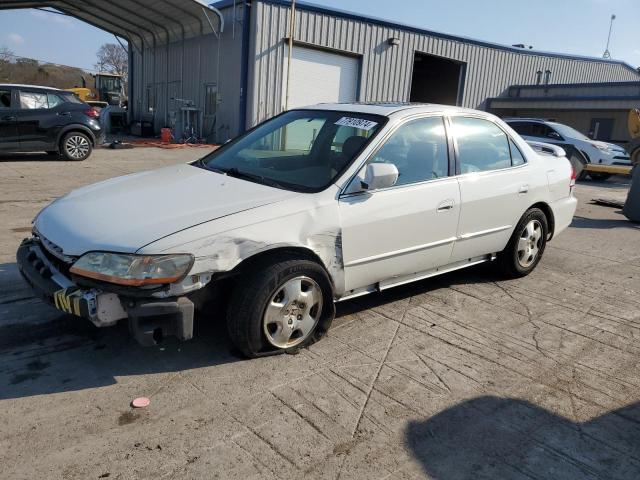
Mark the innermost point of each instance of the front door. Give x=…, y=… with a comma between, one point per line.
x=494, y=187
x=8, y=126
x=35, y=121
x=410, y=227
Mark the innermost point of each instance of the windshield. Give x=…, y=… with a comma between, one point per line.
x=567, y=131
x=111, y=84
x=301, y=150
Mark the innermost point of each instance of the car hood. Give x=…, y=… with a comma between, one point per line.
x=126, y=213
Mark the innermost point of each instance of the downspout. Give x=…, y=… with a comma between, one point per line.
x=244, y=66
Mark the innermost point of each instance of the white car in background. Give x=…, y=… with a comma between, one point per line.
x=597, y=152
x=314, y=206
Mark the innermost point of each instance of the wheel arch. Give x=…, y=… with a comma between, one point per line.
x=297, y=252
x=548, y=212
x=75, y=128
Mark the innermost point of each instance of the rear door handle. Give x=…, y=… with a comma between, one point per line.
x=445, y=205
x=65, y=114
x=524, y=189
x=9, y=118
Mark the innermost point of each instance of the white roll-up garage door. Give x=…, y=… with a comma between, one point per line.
x=319, y=76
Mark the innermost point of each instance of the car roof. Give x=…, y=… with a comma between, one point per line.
x=35, y=87
x=389, y=108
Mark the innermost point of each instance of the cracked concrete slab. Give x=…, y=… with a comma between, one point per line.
x=464, y=376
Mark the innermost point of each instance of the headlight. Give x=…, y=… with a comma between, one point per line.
x=604, y=148
x=133, y=270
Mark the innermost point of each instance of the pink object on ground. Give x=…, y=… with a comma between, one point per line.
x=140, y=402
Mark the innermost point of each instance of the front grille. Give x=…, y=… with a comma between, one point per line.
x=55, y=255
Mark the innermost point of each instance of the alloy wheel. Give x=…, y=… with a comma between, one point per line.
x=529, y=243
x=292, y=312
x=77, y=146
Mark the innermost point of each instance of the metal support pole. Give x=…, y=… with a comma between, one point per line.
x=292, y=20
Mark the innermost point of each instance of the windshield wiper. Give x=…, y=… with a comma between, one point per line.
x=253, y=177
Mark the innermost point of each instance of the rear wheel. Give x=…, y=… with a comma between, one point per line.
x=76, y=146
x=280, y=306
x=526, y=246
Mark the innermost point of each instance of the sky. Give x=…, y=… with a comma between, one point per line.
x=566, y=26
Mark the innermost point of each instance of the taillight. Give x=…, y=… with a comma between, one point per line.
x=92, y=112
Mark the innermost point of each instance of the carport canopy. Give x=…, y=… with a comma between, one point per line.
x=143, y=23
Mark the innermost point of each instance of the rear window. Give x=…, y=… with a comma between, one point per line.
x=71, y=98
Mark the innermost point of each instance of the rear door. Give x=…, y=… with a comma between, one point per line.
x=8, y=120
x=37, y=123
x=494, y=186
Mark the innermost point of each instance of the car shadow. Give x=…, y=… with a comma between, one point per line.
x=508, y=439
x=604, y=223
x=52, y=352
x=30, y=157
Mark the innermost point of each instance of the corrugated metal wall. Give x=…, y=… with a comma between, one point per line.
x=609, y=90
x=386, y=70
x=182, y=70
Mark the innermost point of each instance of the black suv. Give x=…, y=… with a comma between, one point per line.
x=42, y=119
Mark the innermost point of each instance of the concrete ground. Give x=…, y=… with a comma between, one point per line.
x=465, y=376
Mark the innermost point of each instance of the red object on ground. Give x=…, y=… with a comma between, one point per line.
x=165, y=135
x=140, y=402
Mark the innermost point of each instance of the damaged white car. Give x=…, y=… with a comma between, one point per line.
x=311, y=207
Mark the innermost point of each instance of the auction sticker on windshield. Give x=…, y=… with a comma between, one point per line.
x=360, y=123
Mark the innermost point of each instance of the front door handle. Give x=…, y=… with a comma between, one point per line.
x=9, y=118
x=445, y=205
x=523, y=189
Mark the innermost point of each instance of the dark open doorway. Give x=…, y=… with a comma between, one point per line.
x=437, y=80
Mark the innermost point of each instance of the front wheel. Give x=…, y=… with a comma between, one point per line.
x=76, y=146
x=280, y=306
x=526, y=246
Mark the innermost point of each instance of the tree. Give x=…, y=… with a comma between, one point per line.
x=112, y=58
x=6, y=55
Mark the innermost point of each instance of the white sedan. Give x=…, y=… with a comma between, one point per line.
x=314, y=206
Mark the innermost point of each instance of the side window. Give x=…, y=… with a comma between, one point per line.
x=482, y=146
x=33, y=100
x=418, y=149
x=54, y=100
x=523, y=128
x=516, y=155
x=5, y=99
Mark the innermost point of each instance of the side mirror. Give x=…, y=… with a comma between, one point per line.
x=379, y=175
x=554, y=135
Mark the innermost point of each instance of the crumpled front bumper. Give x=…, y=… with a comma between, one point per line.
x=149, y=319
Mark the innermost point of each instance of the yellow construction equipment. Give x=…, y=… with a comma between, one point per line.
x=108, y=90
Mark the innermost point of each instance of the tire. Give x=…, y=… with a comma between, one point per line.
x=280, y=305
x=635, y=157
x=522, y=256
x=76, y=146
x=599, y=177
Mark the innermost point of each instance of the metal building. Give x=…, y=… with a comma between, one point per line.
x=379, y=60
x=225, y=64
